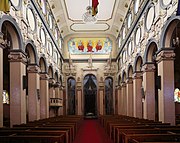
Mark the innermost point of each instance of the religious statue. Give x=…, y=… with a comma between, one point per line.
x=80, y=46
x=89, y=46
x=98, y=46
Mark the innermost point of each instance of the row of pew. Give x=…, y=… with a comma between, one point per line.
x=124, y=129
x=61, y=129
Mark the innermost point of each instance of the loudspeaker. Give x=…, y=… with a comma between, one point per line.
x=25, y=82
x=158, y=82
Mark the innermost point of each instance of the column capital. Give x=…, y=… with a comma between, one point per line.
x=137, y=75
x=57, y=85
x=44, y=76
x=148, y=67
x=33, y=68
x=17, y=56
x=129, y=80
x=123, y=84
x=165, y=55
x=52, y=80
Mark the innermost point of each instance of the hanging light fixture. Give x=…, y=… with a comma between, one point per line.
x=88, y=16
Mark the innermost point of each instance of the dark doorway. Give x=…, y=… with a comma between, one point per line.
x=6, y=77
x=71, y=83
x=90, y=95
x=109, y=96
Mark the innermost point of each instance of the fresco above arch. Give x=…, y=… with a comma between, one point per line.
x=90, y=45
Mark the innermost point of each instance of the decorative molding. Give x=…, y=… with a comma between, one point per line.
x=148, y=67
x=137, y=75
x=129, y=81
x=44, y=76
x=165, y=55
x=16, y=56
x=33, y=69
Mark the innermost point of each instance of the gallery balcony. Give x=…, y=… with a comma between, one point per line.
x=56, y=102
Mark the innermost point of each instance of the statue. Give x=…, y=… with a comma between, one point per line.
x=80, y=46
x=89, y=46
x=98, y=46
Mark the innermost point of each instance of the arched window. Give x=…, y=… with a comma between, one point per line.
x=136, y=6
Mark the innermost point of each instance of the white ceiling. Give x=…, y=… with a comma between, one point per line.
x=68, y=14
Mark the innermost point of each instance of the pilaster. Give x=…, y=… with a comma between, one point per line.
x=33, y=92
x=137, y=97
x=17, y=93
x=165, y=60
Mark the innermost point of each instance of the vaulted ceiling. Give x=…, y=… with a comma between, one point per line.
x=68, y=14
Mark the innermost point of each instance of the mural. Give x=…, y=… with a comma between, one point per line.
x=90, y=45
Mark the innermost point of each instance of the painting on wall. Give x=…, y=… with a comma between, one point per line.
x=90, y=45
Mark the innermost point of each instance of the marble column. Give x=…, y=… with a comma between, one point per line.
x=101, y=101
x=116, y=101
x=149, y=91
x=137, y=96
x=79, y=101
x=119, y=100
x=165, y=60
x=60, y=110
x=64, y=101
x=33, y=92
x=1, y=85
x=44, y=96
x=17, y=93
x=51, y=95
x=124, y=99
x=129, y=90
x=57, y=95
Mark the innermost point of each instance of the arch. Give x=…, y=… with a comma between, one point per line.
x=169, y=26
x=43, y=64
x=138, y=63
x=51, y=72
x=123, y=76
x=130, y=71
x=150, y=50
x=14, y=31
x=31, y=51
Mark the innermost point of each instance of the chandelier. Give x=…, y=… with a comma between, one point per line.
x=88, y=16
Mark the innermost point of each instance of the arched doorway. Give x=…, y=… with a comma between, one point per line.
x=109, y=96
x=137, y=88
x=175, y=43
x=71, y=88
x=90, y=95
x=6, y=77
x=151, y=82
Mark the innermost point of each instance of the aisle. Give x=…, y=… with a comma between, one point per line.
x=91, y=132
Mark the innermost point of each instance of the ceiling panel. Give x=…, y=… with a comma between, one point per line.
x=76, y=8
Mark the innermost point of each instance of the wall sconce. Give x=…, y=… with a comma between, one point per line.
x=175, y=40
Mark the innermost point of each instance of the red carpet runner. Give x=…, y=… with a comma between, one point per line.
x=91, y=132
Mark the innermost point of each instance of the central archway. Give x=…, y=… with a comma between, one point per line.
x=90, y=95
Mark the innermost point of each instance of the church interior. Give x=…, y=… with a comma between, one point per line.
x=90, y=71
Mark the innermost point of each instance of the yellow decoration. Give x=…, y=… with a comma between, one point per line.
x=4, y=6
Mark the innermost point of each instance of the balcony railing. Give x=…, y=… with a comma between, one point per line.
x=56, y=102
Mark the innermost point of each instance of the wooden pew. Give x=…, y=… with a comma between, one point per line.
x=32, y=139
x=137, y=138
x=56, y=126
